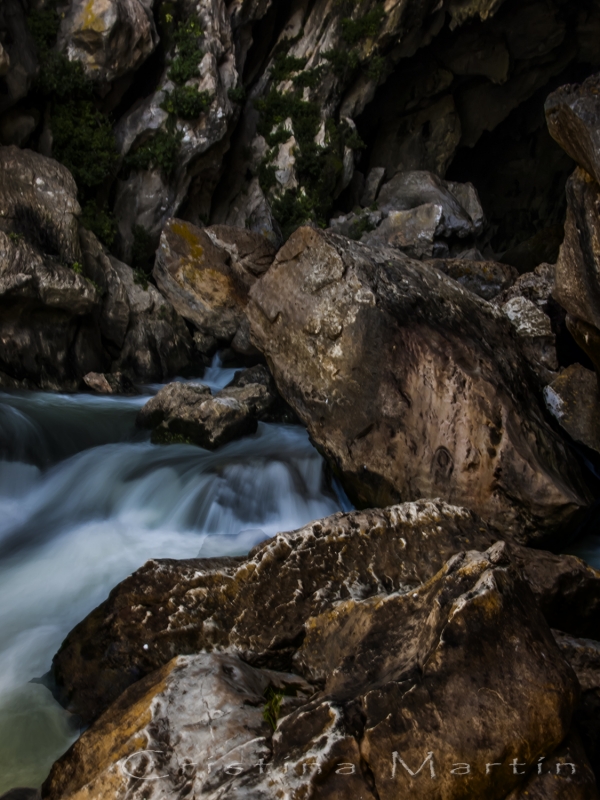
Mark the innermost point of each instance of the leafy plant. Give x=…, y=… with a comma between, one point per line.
x=160, y=152
x=237, y=95
x=100, y=221
x=189, y=54
x=272, y=707
x=77, y=268
x=292, y=209
x=186, y=102
x=284, y=66
x=84, y=142
x=43, y=25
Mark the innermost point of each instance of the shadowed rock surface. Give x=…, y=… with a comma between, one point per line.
x=410, y=386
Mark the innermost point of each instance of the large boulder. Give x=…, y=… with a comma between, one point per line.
x=384, y=705
x=109, y=37
x=207, y=274
x=411, y=386
x=254, y=603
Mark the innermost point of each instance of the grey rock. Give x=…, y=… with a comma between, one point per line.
x=487, y=279
x=536, y=286
x=372, y=185
x=573, y=399
x=414, y=232
x=534, y=331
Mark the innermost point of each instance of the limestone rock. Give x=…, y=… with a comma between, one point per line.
x=372, y=186
x=487, y=279
x=179, y=728
x=573, y=115
x=190, y=413
x=38, y=201
x=413, y=231
x=207, y=273
x=573, y=398
x=534, y=330
x=109, y=37
x=157, y=345
x=410, y=385
x=254, y=604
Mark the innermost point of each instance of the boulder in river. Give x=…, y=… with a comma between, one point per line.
x=253, y=604
x=411, y=386
x=383, y=705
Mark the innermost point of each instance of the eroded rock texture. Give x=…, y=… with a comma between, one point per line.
x=409, y=385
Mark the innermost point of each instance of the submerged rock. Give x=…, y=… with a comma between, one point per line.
x=396, y=708
x=411, y=386
x=259, y=605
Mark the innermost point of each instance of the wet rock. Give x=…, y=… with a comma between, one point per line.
x=109, y=384
x=375, y=372
x=487, y=279
x=253, y=603
x=181, y=726
x=157, y=345
x=573, y=116
x=534, y=330
x=573, y=398
x=207, y=273
x=109, y=37
x=38, y=201
x=190, y=413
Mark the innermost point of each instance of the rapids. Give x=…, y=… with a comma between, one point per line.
x=85, y=499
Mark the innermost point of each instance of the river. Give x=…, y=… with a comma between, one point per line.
x=85, y=499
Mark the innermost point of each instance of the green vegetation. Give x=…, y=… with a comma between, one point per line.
x=77, y=268
x=16, y=237
x=100, y=221
x=237, y=95
x=84, y=142
x=272, y=707
x=159, y=152
x=186, y=37
x=365, y=27
x=186, y=102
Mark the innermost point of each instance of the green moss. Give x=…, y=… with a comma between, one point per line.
x=366, y=26
x=272, y=707
x=279, y=136
x=237, y=95
x=84, y=142
x=162, y=435
x=77, y=268
x=186, y=102
x=160, y=152
x=344, y=63
x=187, y=37
x=100, y=221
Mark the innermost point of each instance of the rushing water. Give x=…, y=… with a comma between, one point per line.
x=85, y=499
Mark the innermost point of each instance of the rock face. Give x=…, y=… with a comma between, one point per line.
x=408, y=397
x=253, y=604
x=207, y=274
x=573, y=398
x=396, y=712
x=109, y=37
x=189, y=413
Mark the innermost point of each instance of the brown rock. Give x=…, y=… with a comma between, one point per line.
x=487, y=279
x=574, y=399
x=413, y=231
x=408, y=398
x=536, y=286
x=573, y=116
x=109, y=384
x=534, y=331
x=207, y=273
x=260, y=604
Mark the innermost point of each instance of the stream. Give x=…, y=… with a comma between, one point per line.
x=85, y=500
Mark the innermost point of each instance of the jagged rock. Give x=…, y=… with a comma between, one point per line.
x=486, y=279
x=198, y=715
x=408, y=190
x=190, y=413
x=573, y=398
x=109, y=384
x=38, y=201
x=150, y=197
x=536, y=286
x=253, y=604
x=573, y=115
x=157, y=344
x=534, y=330
x=414, y=232
x=577, y=286
x=48, y=337
x=409, y=385
x=584, y=656
x=393, y=678
x=372, y=186
x=109, y=37
x=207, y=273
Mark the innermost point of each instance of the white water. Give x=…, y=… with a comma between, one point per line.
x=85, y=500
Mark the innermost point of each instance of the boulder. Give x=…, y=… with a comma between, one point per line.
x=574, y=399
x=383, y=708
x=372, y=185
x=177, y=730
x=536, y=286
x=534, y=330
x=573, y=116
x=487, y=279
x=109, y=37
x=410, y=386
x=109, y=384
x=207, y=273
x=157, y=344
x=414, y=232
x=189, y=413
x=253, y=603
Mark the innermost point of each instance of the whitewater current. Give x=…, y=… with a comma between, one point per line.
x=85, y=500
